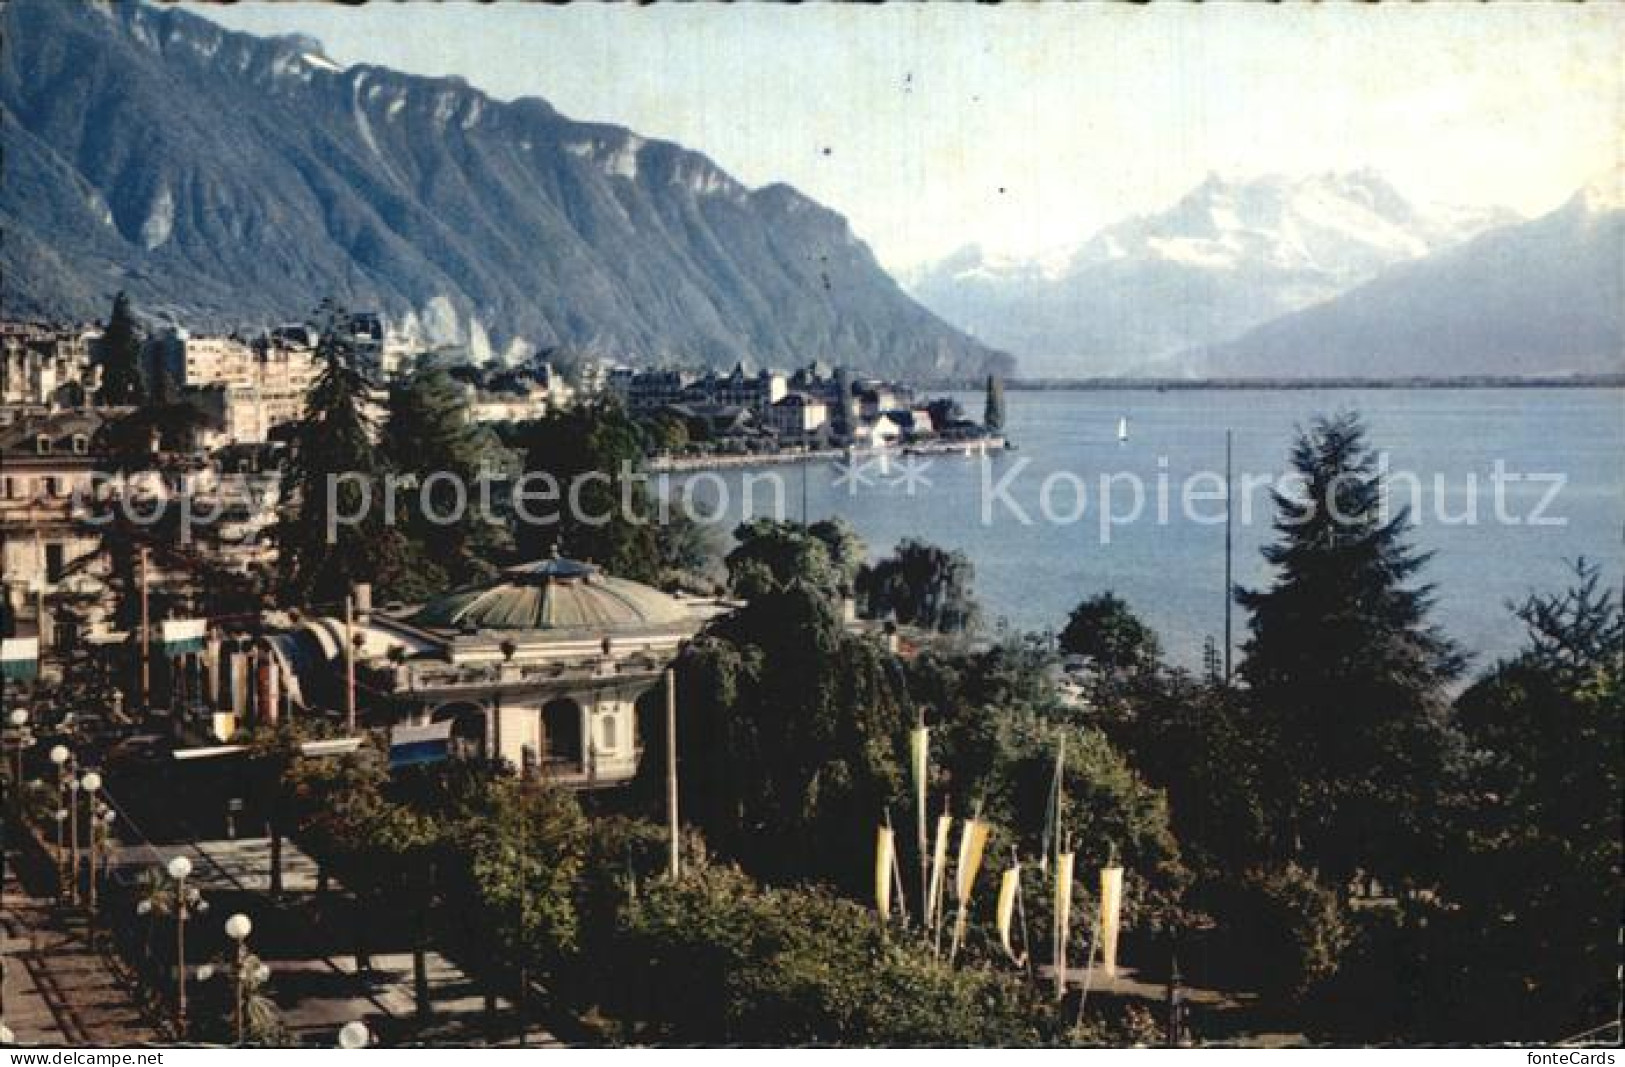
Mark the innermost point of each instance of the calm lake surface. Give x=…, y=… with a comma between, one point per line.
x=1488, y=548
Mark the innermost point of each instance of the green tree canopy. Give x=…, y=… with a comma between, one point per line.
x=773, y=554
x=1536, y=865
x=456, y=467
x=921, y=585
x=592, y=450
x=1106, y=630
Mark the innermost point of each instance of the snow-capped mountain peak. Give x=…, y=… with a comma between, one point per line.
x=1229, y=254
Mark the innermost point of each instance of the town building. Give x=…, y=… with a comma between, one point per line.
x=797, y=415
x=541, y=667
x=47, y=366
x=48, y=479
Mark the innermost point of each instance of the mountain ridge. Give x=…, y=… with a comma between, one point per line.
x=1228, y=255
x=222, y=177
x=1541, y=297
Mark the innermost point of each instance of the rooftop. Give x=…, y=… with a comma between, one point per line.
x=554, y=595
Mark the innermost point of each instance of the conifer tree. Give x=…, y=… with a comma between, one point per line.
x=429, y=436
x=333, y=532
x=1349, y=678
x=122, y=379
x=993, y=413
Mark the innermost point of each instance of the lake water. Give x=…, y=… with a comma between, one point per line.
x=1033, y=564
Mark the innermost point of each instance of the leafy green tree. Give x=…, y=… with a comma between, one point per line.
x=792, y=732
x=518, y=863
x=720, y=959
x=1199, y=741
x=273, y=754
x=428, y=437
x=1280, y=930
x=1535, y=874
x=334, y=533
x=774, y=555
x=120, y=350
x=1349, y=678
x=1106, y=630
x=921, y=585
x=690, y=553
x=666, y=432
x=592, y=450
x=993, y=413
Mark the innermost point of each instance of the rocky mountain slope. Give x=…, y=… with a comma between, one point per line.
x=228, y=179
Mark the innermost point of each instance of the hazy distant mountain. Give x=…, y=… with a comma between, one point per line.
x=1229, y=256
x=1541, y=297
x=227, y=178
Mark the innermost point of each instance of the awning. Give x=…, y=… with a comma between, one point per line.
x=19, y=658
x=409, y=745
x=182, y=636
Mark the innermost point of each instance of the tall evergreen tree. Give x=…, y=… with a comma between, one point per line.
x=993, y=413
x=1346, y=672
x=120, y=350
x=429, y=436
x=333, y=532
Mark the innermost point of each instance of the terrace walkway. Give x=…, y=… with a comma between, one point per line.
x=314, y=980
x=59, y=989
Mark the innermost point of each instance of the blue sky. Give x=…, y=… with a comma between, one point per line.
x=1025, y=128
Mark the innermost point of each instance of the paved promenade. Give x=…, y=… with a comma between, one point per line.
x=58, y=989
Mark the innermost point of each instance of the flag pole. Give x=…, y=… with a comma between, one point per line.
x=146, y=634
x=1229, y=541
x=675, y=860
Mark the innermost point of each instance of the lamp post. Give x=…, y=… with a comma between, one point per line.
x=74, y=786
x=89, y=785
x=18, y=721
x=59, y=757
x=238, y=927
x=179, y=868
x=108, y=816
x=354, y=1035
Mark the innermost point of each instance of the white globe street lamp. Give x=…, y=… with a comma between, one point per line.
x=179, y=867
x=238, y=927
x=354, y=1035
x=59, y=756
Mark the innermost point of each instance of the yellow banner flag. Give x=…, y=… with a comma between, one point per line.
x=971, y=842
x=224, y=726
x=1063, y=917
x=1111, y=913
x=919, y=750
x=1009, y=886
x=884, y=848
x=939, y=865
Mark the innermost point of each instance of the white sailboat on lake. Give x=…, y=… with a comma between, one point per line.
x=1122, y=429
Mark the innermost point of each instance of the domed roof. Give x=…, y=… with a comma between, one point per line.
x=553, y=594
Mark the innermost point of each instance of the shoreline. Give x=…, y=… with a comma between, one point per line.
x=685, y=464
x=1060, y=385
